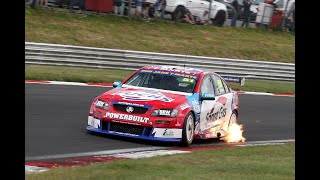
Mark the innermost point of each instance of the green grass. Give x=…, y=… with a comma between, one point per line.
x=54, y=73
x=273, y=162
x=51, y=26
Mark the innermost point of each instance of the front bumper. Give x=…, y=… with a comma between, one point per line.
x=134, y=131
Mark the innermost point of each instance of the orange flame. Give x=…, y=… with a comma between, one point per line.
x=234, y=133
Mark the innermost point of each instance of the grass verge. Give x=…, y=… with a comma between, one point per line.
x=52, y=26
x=270, y=162
x=54, y=73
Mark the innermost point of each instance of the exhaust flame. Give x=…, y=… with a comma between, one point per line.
x=234, y=134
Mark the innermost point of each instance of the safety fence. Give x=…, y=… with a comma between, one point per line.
x=102, y=58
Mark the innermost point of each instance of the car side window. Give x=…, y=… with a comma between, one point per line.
x=226, y=87
x=207, y=85
x=218, y=85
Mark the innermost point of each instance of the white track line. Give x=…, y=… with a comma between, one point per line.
x=143, y=150
x=33, y=169
x=95, y=153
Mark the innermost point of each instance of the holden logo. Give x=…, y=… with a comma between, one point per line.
x=129, y=109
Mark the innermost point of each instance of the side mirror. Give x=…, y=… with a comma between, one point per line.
x=117, y=84
x=207, y=96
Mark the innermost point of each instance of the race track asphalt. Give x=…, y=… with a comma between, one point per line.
x=56, y=118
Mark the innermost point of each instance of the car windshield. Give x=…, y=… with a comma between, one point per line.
x=166, y=80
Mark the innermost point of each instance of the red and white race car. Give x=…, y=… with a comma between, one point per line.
x=166, y=103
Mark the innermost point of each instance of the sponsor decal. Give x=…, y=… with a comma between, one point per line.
x=211, y=116
x=125, y=122
x=127, y=117
x=163, y=112
x=195, y=105
x=219, y=84
x=177, y=124
x=171, y=72
x=217, y=114
x=188, y=80
x=167, y=133
x=130, y=104
x=121, y=133
x=129, y=109
x=184, y=106
x=143, y=96
x=99, y=103
x=222, y=100
x=98, y=113
x=208, y=95
x=93, y=122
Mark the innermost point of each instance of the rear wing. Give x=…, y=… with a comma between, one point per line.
x=236, y=79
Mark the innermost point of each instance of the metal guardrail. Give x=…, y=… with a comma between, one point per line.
x=78, y=56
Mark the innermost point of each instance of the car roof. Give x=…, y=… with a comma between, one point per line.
x=180, y=69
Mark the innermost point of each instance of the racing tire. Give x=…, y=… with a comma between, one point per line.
x=178, y=14
x=188, y=130
x=219, y=19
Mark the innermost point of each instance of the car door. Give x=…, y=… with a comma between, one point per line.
x=223, y=101
x=209, y=108
x=197, y=7
x=204, y=5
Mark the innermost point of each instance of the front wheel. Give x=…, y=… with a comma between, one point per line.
x=178, y=14
x=219, y=19
x=188, y=130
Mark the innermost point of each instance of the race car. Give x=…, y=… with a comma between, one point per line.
x=167, y=103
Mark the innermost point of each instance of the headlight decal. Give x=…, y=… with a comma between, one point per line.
x=165, y=112
x=101, y=104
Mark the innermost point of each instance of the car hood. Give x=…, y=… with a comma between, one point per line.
x=145, y=97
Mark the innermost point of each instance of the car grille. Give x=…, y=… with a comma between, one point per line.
x=137, y=110
x=126, y=128
x=104, y=125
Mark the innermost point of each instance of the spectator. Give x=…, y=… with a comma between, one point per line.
x=33, y=3
x=60, y=3
x=82, y=5
x=116, y=7
x=291, y=13
x=72, y=3
x=138, y=8
x=246, y=13
x=152, y=10
x=145, y=9
x=203, y=19
x=79, y=3
x=156, y=9
x=273, y=4
x=188, y=17
x=163, y=4
x=235, y=9
x=43, y=3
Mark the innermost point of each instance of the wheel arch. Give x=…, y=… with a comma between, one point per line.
x=194, y=116
x=236, y=112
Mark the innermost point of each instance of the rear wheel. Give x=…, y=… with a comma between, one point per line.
x=219, y=19
x=188, y=130
x=178, y=14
